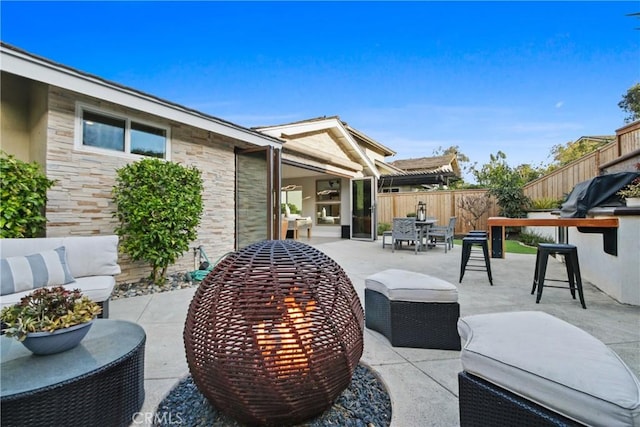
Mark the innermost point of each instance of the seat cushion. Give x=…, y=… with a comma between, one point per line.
x=26, y=273
x=86, y=255
x=552, y=363
x=403, y=285
x=98, y=288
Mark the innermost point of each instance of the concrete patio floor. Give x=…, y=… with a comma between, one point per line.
x=422, y=383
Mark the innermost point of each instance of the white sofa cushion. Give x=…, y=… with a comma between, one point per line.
x=552, y=363
x=403, y=285
x=92, y=260
x=28, y=272
x=93, y=256
x=98, y=288
x=86, y=255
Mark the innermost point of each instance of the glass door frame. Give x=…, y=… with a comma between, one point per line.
x=273, y=158
x=373, y=217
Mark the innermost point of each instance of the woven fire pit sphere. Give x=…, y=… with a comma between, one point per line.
x=274, y=333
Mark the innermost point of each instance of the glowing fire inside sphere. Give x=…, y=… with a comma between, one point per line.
x=274, y=333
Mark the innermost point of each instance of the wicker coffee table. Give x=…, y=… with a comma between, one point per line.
x=98, y=383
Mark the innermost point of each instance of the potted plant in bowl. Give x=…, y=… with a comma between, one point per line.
x=50, y=320
x=631, y=193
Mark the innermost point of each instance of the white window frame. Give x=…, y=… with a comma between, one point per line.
x=78, y=145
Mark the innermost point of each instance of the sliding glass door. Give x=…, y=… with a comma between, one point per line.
x=363, y=208
x=257, y=195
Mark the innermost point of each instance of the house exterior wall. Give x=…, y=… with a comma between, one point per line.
x=14, y=117
x=617, y=276
x=38, y=107
x=322, y=141
x=372, y=154
x=81, y=201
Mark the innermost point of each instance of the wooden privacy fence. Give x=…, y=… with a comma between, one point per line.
x=559, y=183
x=621, y=154
x=439, y=204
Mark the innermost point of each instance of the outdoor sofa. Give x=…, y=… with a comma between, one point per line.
x=88, y=263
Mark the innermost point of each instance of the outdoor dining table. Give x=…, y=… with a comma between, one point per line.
x=424, y=226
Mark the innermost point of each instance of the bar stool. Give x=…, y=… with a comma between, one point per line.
x=467, y=244
x=476, y=248
x=570, y=253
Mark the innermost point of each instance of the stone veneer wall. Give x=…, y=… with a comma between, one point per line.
x=81, y=203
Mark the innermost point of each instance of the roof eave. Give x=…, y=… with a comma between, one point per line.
x=21, y=63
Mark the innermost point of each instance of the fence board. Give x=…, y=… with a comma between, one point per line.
x=439, y=204
x=556, y=185
x=560, y=182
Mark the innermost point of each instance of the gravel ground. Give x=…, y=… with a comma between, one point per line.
x=365, y=403
x=144, y=287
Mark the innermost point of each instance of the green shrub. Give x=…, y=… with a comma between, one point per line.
x=159, y=205
x=382, y=227
x=546, y=203
x=532, y=239
x=23, y=191
x=411, y=214
x=511, y=200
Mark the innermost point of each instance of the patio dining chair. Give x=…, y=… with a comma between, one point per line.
x=405, y=229
x=442, y=235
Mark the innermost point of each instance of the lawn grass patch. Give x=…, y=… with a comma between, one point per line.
x=511, y=247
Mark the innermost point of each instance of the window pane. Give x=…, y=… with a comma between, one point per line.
x=148, y=141
x=102, y=131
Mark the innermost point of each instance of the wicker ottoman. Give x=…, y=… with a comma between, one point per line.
x=530, y=368
x=412, y=309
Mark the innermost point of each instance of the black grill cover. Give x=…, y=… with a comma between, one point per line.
x=598, y=191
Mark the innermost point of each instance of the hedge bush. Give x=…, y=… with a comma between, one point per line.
x=159, y=206
x=23, y=191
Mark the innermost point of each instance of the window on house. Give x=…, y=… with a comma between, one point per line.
x=102, y=131
x=110, y=132
x=148, y=140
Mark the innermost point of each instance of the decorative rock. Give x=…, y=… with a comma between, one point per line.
x=365, y=403
x=175, y=282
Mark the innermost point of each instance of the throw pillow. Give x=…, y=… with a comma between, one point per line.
x=23, y=273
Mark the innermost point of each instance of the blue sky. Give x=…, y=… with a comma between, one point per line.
x=513, y=76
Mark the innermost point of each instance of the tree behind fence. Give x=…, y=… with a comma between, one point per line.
x=559, y=183
x=621, y=154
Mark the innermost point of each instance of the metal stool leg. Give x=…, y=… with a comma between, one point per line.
x=466, y=253
x=568, y=262
x=487, y=260
x=576, y=269
x=542, y=270
x=535, y=272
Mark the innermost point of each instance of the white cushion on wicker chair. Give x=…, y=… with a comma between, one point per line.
x=403, y=285
x=552, y=363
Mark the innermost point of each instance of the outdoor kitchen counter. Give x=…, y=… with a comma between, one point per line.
x=618, y=276
x=607, y=226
